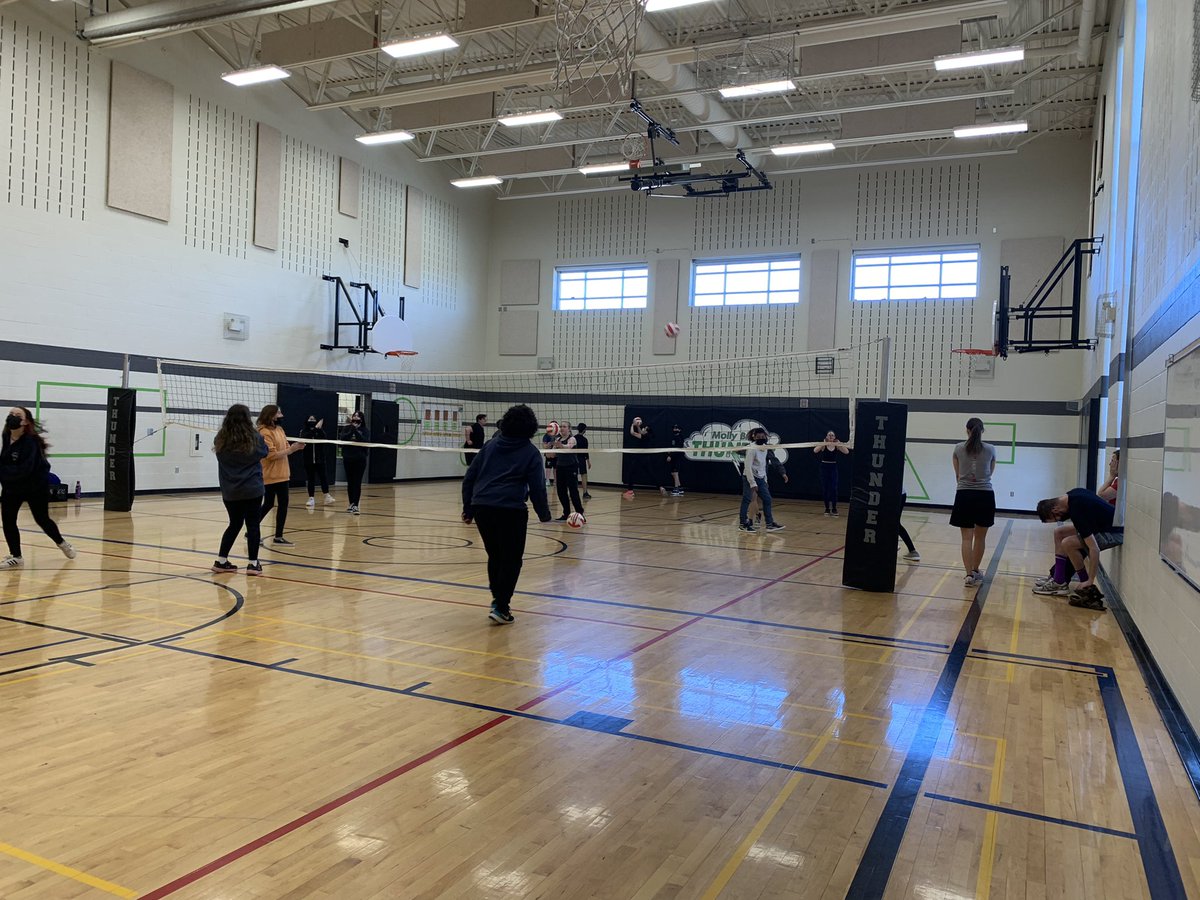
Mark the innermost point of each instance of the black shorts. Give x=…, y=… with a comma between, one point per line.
x=551, y=462
x=973, y=509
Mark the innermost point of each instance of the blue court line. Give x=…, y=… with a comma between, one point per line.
x=283, y=662
x=1090, y=667
x=1051, y=820
x=91, y=590
x=42, y=646
x=521, y=714
x=879, y=856
x=1158, y=859
x=478, y=587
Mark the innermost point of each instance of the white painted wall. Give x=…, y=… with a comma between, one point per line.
x=1040, y=192
x=81, y=275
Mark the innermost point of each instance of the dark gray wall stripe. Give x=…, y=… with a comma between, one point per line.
x=1145, y=441
x=993, y=407
x=1172, y=314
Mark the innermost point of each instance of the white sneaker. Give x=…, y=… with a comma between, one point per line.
x=914, y=556
x=310, y=503
x=1052, y=589
x=354, y=509
x=67, y=550
x=11, y=562
x=329, y=499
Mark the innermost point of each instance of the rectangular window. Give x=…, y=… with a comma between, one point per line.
x=610, y=287
x=746, y=282
x=948, y=274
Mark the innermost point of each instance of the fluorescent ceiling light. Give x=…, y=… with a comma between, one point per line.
x=384, y=137
x=811, y=147
x=994, y=128
x=602, y=168
x=752, y=90
x=979, y=58
x=481, y=181
x=257, y=75
x=660, y=5
x=533, y=118
x=419, y=46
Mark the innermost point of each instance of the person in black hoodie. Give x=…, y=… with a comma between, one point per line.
x=240, y=450
x=506, y=471
x=314, y=460
x=23, y=470
x=354, y=458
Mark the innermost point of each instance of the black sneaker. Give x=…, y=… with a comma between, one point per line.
x=562, y=518
x=775, y=526
x=587, y=496
x=746, y=526
x=282, y=542
x=254, y=568
x=219, y=566
x=501, y=616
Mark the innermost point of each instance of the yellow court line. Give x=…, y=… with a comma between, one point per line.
x=34, y=677
x=66, y=871
x=756, y=832
x=117, y=612
x=987, y=854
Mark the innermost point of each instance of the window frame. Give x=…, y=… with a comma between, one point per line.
x=941, y=286
x=620, y=269
x=727, y=261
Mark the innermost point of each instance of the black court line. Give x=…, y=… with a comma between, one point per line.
x=1050, y=820
x=879, y=856
x=42, y=646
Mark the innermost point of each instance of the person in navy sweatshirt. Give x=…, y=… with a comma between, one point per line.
x=502, y=475
x=23, y=470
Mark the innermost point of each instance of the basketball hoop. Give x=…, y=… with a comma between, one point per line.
x=401, y=353
x=974, y=351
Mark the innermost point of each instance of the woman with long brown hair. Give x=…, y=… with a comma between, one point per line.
x=275, y=469
x=240, y=451
x=974, y=501
x=23, y=470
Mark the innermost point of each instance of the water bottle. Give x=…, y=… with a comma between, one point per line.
x=78, y=491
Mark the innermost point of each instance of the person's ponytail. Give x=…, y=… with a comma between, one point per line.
x=975, y=440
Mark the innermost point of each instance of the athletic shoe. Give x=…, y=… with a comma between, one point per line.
x=282, y=542
x=835, y=514
x=978, y=576
x=587, y=496
x=226, y=566
x=677, y=492
x=501, y=616
x=914, y=556
x=67, y=550
x=11, y=562
x=628, y=495
x=562, y=518
x=329, y=499
x=1052, y=589
x=1088, y=598
x=828, y=514
x=354, y=509
x=746, y=526
x=310, y=503
x=254, y=568
x=775, y=526
x=970, y=582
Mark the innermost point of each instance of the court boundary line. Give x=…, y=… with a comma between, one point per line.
x=1026, y=814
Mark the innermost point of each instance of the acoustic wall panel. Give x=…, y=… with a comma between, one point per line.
x=930, y=201
x=665, y=302
x=823, y=270
x=414, y=236
x=518, y=332
x=758, y=220
x=599, y=338
x=607, y=225
x=382, y=236
x=216, y=201
x=268, y=176
x=140, y=124
x=440, y=268
x=520, y=282
x=349, y=187
x=309, y=196
x=45, y=85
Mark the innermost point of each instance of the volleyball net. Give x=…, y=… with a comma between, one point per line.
x=797, y=397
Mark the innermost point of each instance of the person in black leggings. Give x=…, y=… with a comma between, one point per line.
x=827, y=452
x=240, y=450
x=314, y=460
x=912, y=553
x=354, y=459
x=23, y=470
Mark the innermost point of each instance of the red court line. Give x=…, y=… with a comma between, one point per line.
x=312, y=815
x=283, y=830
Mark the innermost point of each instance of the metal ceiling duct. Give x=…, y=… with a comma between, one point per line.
x=165, y=17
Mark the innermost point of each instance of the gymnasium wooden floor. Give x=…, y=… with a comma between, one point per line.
x=680, y=710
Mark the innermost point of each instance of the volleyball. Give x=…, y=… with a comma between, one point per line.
x=671, y=329
x=576, y=520
x=552, y=428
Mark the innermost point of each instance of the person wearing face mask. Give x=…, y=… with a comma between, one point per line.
x=674, y=460
x=754, y=483
x=354, y=458
x=276, y=472
x=23, y=470
x=827, y=452
x=314, y=460
x=567, y=471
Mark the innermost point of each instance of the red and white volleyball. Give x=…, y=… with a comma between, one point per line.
x=671, y=329
x=552, y=428
x=576, y=520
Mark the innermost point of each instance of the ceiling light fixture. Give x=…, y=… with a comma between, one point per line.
x=256, y=75
x=660, y=5
x=434, y=43
x=384, y=137
x=811, y=147
x=533, y=118
x=979, y=58
x=753, y=90
x=994, y=128
x=480, y=181
x=604, y=168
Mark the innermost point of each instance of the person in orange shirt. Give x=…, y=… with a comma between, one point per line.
x=276, y=471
